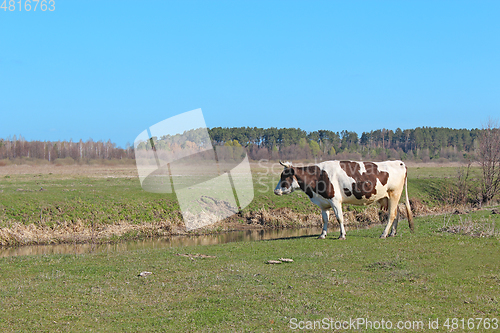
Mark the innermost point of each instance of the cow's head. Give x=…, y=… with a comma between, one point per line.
x=288, y=182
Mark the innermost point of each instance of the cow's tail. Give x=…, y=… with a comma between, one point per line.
x=408, y=207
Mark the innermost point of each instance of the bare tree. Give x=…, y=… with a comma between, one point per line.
x=460, y=193
x=489, y=159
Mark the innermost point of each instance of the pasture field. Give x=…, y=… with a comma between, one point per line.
x=441, y=271
x=53, y=204
x=447, y=269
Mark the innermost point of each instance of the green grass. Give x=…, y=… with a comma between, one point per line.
x=90, y=199
x=107, y=200
x=431, y=184
x=429, y=274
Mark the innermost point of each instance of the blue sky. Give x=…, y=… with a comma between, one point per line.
x=110, y=69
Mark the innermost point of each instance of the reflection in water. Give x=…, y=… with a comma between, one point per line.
x=176, y=241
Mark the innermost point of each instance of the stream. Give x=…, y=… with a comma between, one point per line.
x=175, y=241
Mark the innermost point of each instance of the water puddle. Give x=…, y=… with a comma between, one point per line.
x=176, y=241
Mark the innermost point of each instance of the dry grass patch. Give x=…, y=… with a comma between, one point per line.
x=370, y=215
x=286, y=218
x=121, y=170
x=18, y=234
x=470, y=227
x=281, y=218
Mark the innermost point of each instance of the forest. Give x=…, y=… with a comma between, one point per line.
x=62, y=151
x=422, y=144
x=419, y=144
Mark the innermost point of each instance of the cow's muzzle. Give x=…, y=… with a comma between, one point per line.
x=280, y=191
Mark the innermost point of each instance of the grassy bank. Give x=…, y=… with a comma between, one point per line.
x=442, y=271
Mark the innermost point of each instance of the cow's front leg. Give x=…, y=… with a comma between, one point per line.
x=337, y=209
x=325, y=214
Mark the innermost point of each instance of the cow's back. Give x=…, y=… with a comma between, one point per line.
x=396, y=171
x=364, y=182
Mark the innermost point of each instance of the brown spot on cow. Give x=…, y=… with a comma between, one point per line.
x=314, y=180
x=347, y=192
x=364, y=183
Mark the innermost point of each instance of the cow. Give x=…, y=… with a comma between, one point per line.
x=330, y=184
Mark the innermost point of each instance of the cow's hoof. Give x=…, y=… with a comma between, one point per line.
x=322, y=237
x=392, y=235
x=341, y=237
x=383, y=236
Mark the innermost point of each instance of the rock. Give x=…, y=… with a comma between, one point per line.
x=286, y=260
x=196, y=255
x=281, y=260
x=144, y=274
x=273, y=262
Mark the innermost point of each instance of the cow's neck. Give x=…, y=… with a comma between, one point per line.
x=312, y=180
x=307, y=179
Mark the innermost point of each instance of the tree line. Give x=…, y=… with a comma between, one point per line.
x=419, y=144
x=13, y=148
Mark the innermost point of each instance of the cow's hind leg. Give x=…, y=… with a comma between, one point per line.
x=337, y=209
x=392, y=208
x=394, y=229
x=325, y=214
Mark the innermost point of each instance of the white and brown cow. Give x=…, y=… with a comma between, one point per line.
x=332, y=183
